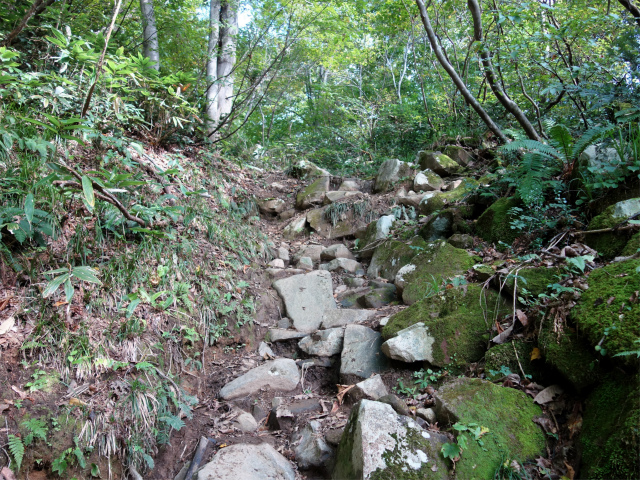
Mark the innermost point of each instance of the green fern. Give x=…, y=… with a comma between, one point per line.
x=533, y=176
x=560, y=137
x=589, y=137
x=535, y=147
x=16, y=447
x=37, y=429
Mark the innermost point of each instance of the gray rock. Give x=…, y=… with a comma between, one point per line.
x=307, y=297
x=245, y=422
x=265, y=351
x=284, y=323
x=413, y=344
x=271, y=205
x=276, y=263
x=343, y=265
x=332, y=197
x=283, y=254
x=376, y=231
x=280, y=334
x=458, y=154
x=313, y=194
x=627, y=208
x=311, y=251
x=428, y=414
x=361, y=355
x=295, y=228
x=281, y=374
x=400, y=281
x=287, y=214
x=372, y=389
x=356, y=282
x=438, y=162
x=339, y=250
x=378, y=297
x=312, y=450
x=305, y=263
x=427, y=181
x=323, y=343
x=248, y=462
x=389, y=173
x=391, y=255
x=438, y=227
x=340, y=318
x=347, y=224
x=350, y=298
x=349, y=186
x=305, y=169
x=410, y=200
x=380, y=441
x=396, y=403
x=333, y=436
x=461, y=240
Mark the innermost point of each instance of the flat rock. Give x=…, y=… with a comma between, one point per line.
x=349, y=186
x=332, y=197
x=271, y=206
x=313, y=194
x=295, y=228
x=427, y=181
x=339, y=250
x=307, y=297
x=245, y=422
x=323, y=343
x=305, y=263
x=340, y=318
x=361, y=355
x=378, y=441
x=348, y=223
x=311, y=251
x=389, y=173
x=281, y=334
x=281, y=374
x=312, y=450
x=371, y=389
x=247, y=462
x=413, y=344
x=343, y=265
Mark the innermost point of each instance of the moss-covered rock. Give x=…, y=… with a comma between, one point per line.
x=506, y=412
x=610, y=437
x=504, y=355
x=391, y=171
x=313, y=194
x=494, y=225
x=456, y=318
x=375, y=231
x=610, y=309
x=437, y=262
x=436, y=201
x=438, y=162
x=534, y=280
x=392, y=255
x=632, y=246
x=570, y=355
x=458, y=154
x=608, y=244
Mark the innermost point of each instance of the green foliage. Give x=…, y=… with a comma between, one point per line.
x=16, y=448
x=37, y=428
x=66, y=277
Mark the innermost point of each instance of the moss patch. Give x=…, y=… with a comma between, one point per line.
x=313, y=193
x=632, y=246
x=507, y=413
x=505, y=356
x=610, y=438
x=534, y=280
x=595, y=313
x=439, y=261
x=609, y=244
x=392, y=255
x=494, y=224
x=458, y=318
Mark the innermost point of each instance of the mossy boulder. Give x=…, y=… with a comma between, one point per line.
x=570, y=355
x=305, y=169
x=610, y=308
x=456, y=319
x=632, y=247
x=458, y=154
x=438, y=162
x=390, y=172
x=534, y=280
x=494, y=225
x=610, y=244
x=376, y=230
x=505, y=356
x=437, y=262
x=436, y=201
x=392, y=255
x=610, y=437
x=506, y=412
x=444, y=224
x=313, y=194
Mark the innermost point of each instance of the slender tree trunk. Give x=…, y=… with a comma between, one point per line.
x=634, y=10
x=511, y=106
x=213, y=87
x=468, y=96
x=150, y=33
x=23, y=23
x=227, y=56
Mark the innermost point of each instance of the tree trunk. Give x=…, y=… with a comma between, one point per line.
x=150, y=33
x=468, y=96
x=23, y=23
x=213, y=87
x=227, y=55
x=511, y=106
x=631, y=8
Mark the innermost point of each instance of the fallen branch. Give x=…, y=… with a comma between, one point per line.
x=607, y=230
x=197, y=457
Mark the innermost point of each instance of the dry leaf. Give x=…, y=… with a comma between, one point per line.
x=536, y=354
x=7, y=474
x=22, y=394
x=7, y=325
x=548, y=394
x=524, y=320
x=342, y=391
x=502, y=337
x=76, y=402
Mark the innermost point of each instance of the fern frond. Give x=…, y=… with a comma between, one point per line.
x=628, y=115
x=533, y=176
x=533, y=146
x=589, y=137
x=16, y=447
x=561, y=139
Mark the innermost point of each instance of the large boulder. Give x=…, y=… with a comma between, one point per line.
x=390, y=172
x=413, y=344
x=376, y=231
x=460, y=193
x=312, y=450
x=271, y=206
x=306, y=170
x=248, y=462
x=306, y=298
x=458, y=154
x=456, y=326
x=494, y=225
x=438, y=162
x=507, y=413
x=390, y=256
x=610, y=244
x=339, y=250
x=426, y=181
x=379, y=443
x=361, y=355
x=281, y=374
x=314, y=193
x=436, y=263
x=336, y=220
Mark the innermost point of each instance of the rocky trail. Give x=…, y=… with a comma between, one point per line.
x=389, y=345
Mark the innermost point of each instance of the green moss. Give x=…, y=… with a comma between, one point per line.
x=494, y=225
x=534, y=280
x=430, y=205
x=392, y=255
x=314, y=191
x=463, y=190
x=608, y=244
x=456, y=318
x=570, y=355
x=610, y=437
x=344, y=467
x=440, y=261
x=632, y=246
x=505, y=355
x=506, y=412
x=596, y=311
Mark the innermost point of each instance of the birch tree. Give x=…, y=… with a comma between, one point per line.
x=150, y=33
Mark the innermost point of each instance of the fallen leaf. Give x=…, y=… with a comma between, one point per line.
x=22, y=394
x=76, y=402
x=536, y=353
x=335, y=407
x=59, y=304
x=548, y=394
x=610, y=300
x=3, y=407
x=7, y=325
x=7, y=474
x=524, y=320
x=570, y=471
x=342, y=391
x=502, y=337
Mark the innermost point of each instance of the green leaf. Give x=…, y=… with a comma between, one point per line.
x=89, y=196
x=53, y=285
x=29, y=207
x=451, y=451
x=86, y=274
x=68, y=290
x=16, y=447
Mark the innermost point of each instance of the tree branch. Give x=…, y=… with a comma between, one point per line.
x=23, y=23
